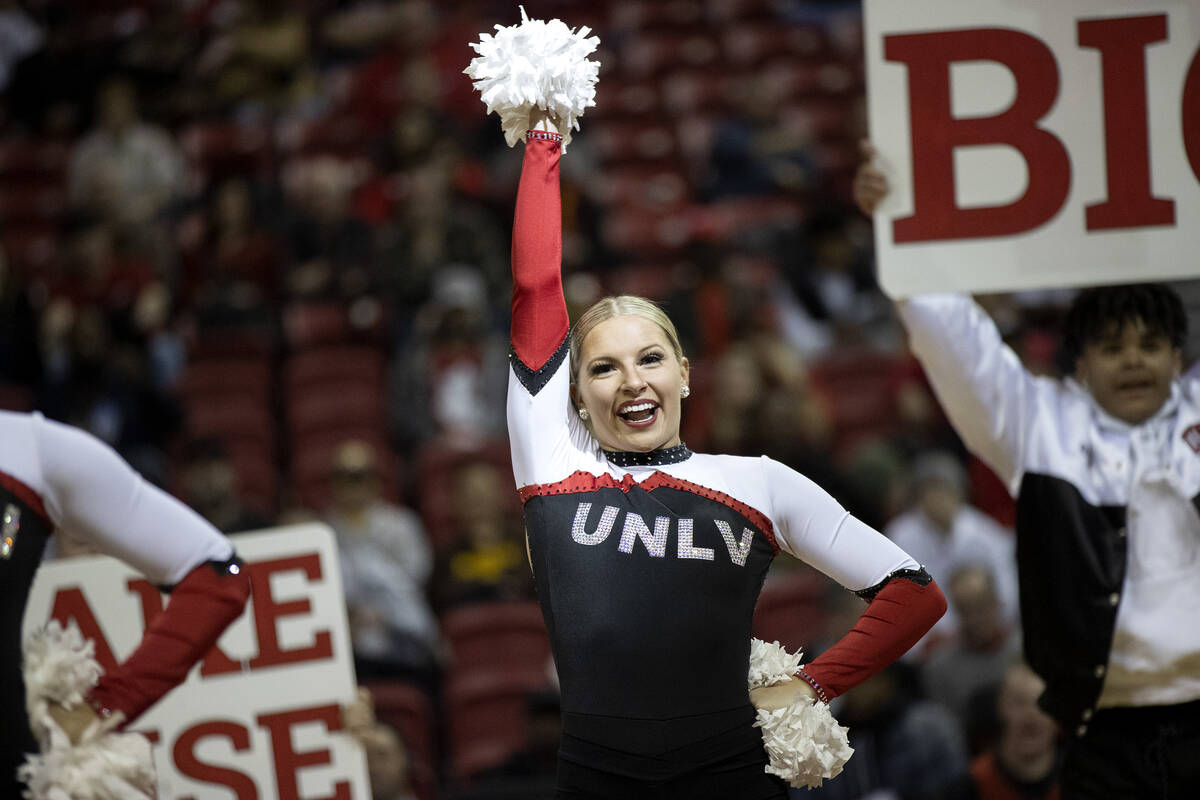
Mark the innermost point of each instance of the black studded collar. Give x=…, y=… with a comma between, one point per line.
x=653, y=458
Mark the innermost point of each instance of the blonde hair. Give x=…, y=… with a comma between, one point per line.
x=620, y=306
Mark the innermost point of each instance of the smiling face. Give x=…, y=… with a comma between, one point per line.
x=629, y=379
x=1129, y=370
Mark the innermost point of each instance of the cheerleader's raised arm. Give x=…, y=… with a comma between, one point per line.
x=544, y=433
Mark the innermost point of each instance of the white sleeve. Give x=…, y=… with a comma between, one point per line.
x=988, y=394
x=95, y=495
x=547, y=438
x=813, y=527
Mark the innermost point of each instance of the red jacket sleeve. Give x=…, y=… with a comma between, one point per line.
x=539, y=311
x=897, y=617
x=201, y=607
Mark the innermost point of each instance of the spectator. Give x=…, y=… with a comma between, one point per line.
x=232, y=277
x=944, y=533
x=209, y=484
x=980, y=650
x=487, y=561
x=388, y=764
x=127, y=170
x=1025, y=762
x=330, y=254
x=448, y=386
x=386, y=562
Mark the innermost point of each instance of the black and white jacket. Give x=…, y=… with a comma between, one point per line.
x=1108, y=515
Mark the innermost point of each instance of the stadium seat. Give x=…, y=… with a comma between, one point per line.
x=407, y=710
x=325, y=365
x=507, y=636
x=487, y=719
x=790, y=610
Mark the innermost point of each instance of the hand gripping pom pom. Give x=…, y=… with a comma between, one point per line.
x=535, y=64
x=803, y=741
x=60, y=667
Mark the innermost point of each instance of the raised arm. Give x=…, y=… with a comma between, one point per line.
x=539, y=311
x=988, y=395
x=544, y=434
x=92, y=492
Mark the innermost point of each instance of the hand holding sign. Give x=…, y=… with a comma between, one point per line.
x=1034, y=144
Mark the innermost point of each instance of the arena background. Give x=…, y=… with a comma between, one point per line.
x=282, y=293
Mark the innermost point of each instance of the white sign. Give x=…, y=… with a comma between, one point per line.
x=258, y=718
x=1032, y=144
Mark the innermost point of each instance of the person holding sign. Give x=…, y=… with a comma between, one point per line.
x=1105, y=468
x=55, y=476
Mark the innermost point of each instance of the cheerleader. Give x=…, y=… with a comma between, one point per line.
x=648, y=557
x=53, y=476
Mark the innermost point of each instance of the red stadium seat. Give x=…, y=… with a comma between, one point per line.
x=790, y=610
x=407, y=710
x=333, y=406
x=508, y=636
x=325, y=365
x=233, y=418
x=312, y=324
x=239, y=376
x=45, y=158
x=488, y=719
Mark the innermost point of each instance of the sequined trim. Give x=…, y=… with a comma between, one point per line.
x=230, y=566
x=540, y=134
x=654, y=458
x=580, y=482
x=918, y=576
x=535, y=379
x=811, y=681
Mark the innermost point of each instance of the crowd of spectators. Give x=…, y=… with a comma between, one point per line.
x=260, y=247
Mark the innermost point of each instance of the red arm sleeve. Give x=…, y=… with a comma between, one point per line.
x=539, y=312
x=897, y=617
x=202, y=605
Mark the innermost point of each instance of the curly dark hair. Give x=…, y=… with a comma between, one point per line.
x=1095, y=311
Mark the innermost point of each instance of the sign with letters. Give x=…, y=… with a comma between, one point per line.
x=259, y=717
x=1032, y=144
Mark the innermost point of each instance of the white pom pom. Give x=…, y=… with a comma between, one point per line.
x=535, y=64
x=111, y=766
x=803, y=741
x=60, y=667
x=771, y=663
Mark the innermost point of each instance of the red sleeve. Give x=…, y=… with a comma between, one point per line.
x=899, y=615
x=202, y=605
x=539, y=311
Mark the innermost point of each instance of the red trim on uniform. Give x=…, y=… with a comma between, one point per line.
x=581, y=481
x=26, y=495
x=202, y=605
x=895, y=620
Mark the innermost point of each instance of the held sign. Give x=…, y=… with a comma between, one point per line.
x=1032, y=144
x=259, y=717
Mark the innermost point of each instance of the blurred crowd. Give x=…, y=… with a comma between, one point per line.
x=261, y=248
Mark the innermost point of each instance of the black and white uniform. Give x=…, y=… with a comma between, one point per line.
x=648, y=565
x=55, y=476
x=1108, y=537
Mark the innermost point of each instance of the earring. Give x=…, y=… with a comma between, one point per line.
x=685, y=391
x=583, y=415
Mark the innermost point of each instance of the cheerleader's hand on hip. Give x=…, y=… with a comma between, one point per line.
x=74, y=721
x=782, y=695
